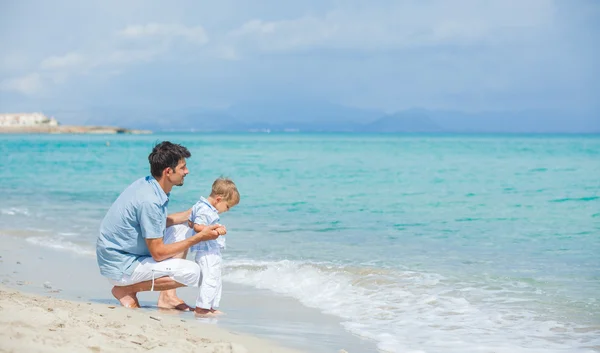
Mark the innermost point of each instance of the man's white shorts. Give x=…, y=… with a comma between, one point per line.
x=182, y=271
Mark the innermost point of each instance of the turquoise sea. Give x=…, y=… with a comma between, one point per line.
x=420, y=243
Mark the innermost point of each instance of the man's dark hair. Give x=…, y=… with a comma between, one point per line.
x=166, y=155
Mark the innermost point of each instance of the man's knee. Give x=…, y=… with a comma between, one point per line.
x=188, y=273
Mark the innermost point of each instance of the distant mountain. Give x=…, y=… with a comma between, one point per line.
x=526, y=121
x=406, y=121
x=317, y=116
x=331, y=118
x=308, y=112
x=197, y=120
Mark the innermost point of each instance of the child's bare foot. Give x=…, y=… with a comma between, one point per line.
x=216, y=312
x=128, y=300
x=203, y=312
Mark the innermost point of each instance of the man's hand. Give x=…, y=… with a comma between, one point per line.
x=208, y=233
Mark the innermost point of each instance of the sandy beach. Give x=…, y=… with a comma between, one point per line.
x=53, y=302
x=38, y=313
x=56, y=301
x=35, y=323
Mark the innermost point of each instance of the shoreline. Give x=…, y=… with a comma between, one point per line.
x=260, y=314
x=70, y=129
x=36, y=314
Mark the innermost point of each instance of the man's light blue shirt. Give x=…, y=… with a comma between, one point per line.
x=206, y=214
x=139, y=213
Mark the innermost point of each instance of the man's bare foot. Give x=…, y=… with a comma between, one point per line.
x=183, y=307
x=166, y=300
x=216, y=312
x=128, y=300
x=203, y=312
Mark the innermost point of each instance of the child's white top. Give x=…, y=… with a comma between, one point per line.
x=204, y=213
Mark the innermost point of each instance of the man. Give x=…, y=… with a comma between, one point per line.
x=130, y=249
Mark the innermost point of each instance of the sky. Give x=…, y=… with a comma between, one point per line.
x=467, y=55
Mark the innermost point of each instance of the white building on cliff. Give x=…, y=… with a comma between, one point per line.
x=26, y=119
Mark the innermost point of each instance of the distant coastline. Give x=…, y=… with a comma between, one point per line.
x=70, y=129
x=38, y=123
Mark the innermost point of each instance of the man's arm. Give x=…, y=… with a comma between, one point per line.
x=161, y=251
x=178, y=218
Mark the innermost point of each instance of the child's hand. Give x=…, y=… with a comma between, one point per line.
x=221, y=230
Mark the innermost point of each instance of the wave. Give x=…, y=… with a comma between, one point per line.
x=576, y=199
x=60, y=243
x=405, y=310
x=15, y=211
x=414, y=311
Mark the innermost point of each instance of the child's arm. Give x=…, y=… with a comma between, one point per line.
x=202, y=220
x=199, y=227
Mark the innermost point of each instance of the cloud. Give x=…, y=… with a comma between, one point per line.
x=400, y=25
x=28, y=84
x=226, y=52
x=112, y=53
x=195, y=34
x=60, y=62
x=386, y=54
x=128, y=56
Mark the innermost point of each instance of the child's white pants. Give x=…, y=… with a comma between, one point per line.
x=210, y=283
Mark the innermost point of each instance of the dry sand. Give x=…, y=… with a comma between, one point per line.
x=34, y=323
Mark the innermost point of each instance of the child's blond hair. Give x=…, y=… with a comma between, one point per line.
x=226, y=188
